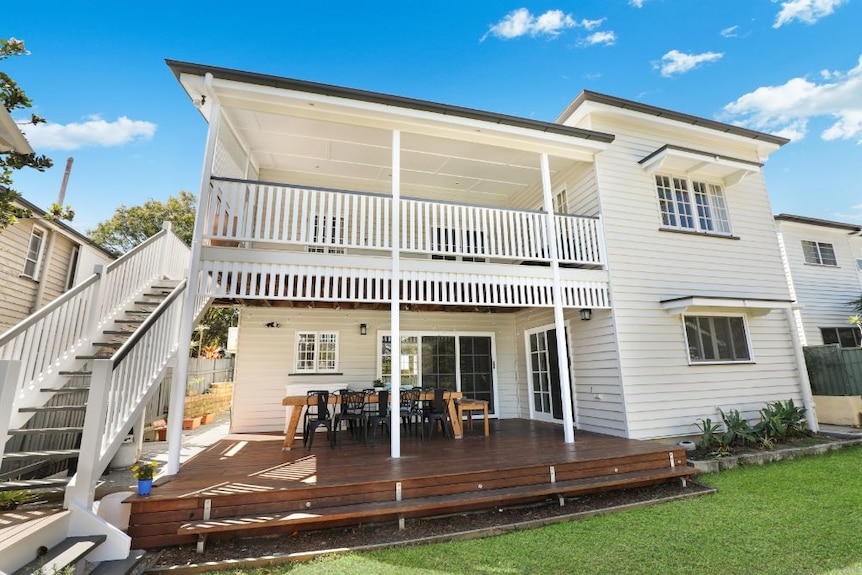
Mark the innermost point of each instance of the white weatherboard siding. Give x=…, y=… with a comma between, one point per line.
x=823, y=291
x=265, y=356
x=595, y=368
x=664, y=395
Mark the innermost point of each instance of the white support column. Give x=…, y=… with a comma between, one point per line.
x=178, y=387
x=395, y=313
x=566, y=390
x=82, y=491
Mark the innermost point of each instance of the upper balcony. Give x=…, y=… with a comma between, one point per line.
x=271, y=241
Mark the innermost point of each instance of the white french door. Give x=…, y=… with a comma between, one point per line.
x=543, y=373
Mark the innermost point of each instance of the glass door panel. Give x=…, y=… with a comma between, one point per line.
x=438, y=361
x=476, y=364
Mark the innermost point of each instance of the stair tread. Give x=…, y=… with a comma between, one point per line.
x=65, y=389
x=28, y=431
x=46, y=453
x=64, y=553
x=76, y=373
x=318, y=515
x=34, y=483
x=121, y=566
x=52, y=408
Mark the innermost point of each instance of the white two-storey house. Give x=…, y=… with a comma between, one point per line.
x=616, y=271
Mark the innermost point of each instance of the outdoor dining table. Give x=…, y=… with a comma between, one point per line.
x=298, y=402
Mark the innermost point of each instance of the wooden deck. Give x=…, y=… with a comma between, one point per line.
x=246, y=485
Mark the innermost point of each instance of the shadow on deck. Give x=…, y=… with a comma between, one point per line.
x=245, y=484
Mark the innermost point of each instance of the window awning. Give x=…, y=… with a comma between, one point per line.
x=686, y=160
x=706, y=304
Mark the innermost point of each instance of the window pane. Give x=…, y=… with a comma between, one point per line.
x=665, y=200
x=721, y=338
x=809, y=251
x=827, y=255
x=704, y=214
x=683, y=203
x=327, y=352
x=691, y=331
x=740, y=342
x=829, y=335
x=848, y=336
x=305, y=352
x=720, y=217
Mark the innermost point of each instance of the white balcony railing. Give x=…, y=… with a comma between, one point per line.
x=239, y=212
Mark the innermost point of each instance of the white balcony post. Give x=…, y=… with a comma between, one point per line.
x=566, y=390
x=395, y=313
x=178, y=388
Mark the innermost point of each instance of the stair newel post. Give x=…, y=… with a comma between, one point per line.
x=81, y=490
x=9, y=370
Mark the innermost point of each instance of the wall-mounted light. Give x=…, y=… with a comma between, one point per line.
x=363, y=329
x=272, y=325
x=586, y=314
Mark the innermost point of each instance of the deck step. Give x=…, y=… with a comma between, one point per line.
x=46, y=430
x=66, y=553
x=134, y=563
x=438, y=503
x=33, y=484
x=52, y=408
x=45, y=454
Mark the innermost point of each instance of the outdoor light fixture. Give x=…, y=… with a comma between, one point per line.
x=272, y=324
x=586, y=314
x=363, y=329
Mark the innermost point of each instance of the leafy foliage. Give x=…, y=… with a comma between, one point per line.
x=129, y=226
x=779, y=421
x=12, y=97
x=708, y=433
x=143, y=470
x=857, y=305
x=12, y=499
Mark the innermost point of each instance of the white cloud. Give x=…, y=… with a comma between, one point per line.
x=676, y=62
x=730, y=32
x=636, y=3
x=786, y=109
x=590, y=24
x=606, y=38
x=808, y=11
x=521, y=22
x=94, y=133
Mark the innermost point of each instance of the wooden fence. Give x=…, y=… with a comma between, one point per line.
x=834, y=370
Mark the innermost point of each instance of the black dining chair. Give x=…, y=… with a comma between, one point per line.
x=411, y=411
x=317, y=414
x=438, y=411
x=352, y=411
x=379, y=418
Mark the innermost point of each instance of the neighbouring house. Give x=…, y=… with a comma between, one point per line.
x=617, y=270
x=824, y=269
x=39, y=260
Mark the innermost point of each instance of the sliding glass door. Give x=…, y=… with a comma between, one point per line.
x=460, y=362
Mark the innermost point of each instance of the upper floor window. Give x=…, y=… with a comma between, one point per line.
x=713, y=339
x=843, y=336
x=818, y=253
x=316, y=352
x=561, y=202
x=692, y=205
x=33, y=259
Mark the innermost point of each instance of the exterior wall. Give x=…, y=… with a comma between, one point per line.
x=594, y=366
x=17, y=292
x=664, y=395
x=823, y=291
x=266, y=357
x=88, y=259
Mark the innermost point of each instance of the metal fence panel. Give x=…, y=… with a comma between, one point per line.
x=834, y=370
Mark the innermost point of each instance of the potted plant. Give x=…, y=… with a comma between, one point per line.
x=209, y=409
x=144, y=473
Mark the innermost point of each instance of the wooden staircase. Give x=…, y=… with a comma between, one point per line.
x=47, y=445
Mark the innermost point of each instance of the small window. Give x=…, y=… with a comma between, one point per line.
x=316, y=352
x=692, y=205
x=33, y=261
x=716, y=339
x=843, y=336
x=819, y=253
x=72, y=273
x=561, y=202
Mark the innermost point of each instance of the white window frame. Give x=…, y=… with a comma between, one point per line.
x=72, y=271
x=301, y=357
x=818, y=253
x=36, y=259
x=712, y=316
x=561, y=201
x=690, y=204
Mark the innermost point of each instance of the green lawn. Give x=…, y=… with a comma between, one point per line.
x=802, y=516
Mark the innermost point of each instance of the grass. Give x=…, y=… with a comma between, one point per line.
x=791, y=517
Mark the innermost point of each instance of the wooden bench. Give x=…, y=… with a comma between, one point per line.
x=470, y=405
x=430, y=505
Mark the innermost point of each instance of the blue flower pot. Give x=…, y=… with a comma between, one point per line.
x=145, y=486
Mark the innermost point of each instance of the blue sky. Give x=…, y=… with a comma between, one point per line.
x=96, y=72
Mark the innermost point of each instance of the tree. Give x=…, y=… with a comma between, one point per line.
x=130, y=226
x=14, y=98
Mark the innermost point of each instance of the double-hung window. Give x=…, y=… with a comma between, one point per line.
x=716, y=339
x=33, y=259
x=692, y=205
x=316, y=352
x=818, y=253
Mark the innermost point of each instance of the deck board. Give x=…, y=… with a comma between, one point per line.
x=249, y=473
